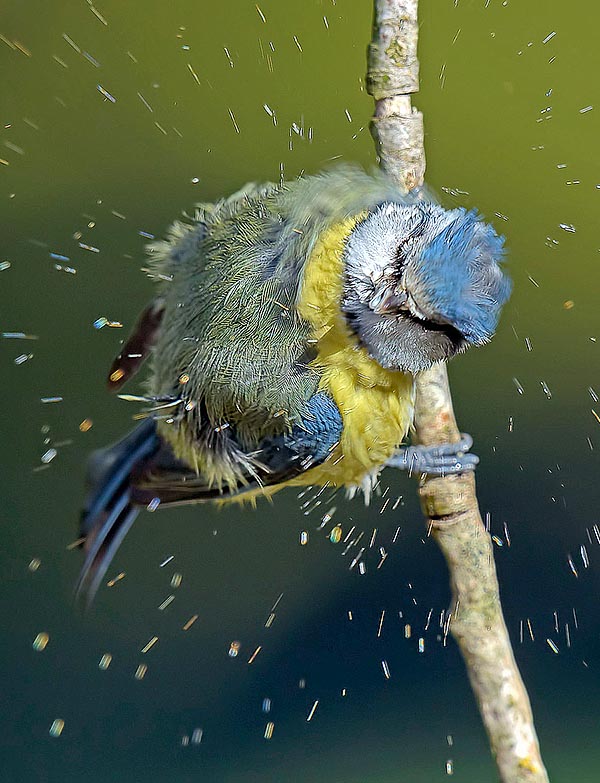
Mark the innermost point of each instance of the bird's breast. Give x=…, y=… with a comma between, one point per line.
x=376, y=404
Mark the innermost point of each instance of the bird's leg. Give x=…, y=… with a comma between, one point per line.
x=440, y=460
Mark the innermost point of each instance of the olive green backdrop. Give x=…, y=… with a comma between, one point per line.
x=205, y=96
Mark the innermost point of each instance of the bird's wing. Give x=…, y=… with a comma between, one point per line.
x=232, y=345
x=141, y=470
x=277, y=459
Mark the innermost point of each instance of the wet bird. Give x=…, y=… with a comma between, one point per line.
x=284, y=339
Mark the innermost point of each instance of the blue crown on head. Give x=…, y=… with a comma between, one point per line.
x=461, y=278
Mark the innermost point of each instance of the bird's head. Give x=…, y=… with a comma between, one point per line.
x=422, y=283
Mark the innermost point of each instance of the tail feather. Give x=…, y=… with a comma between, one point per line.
x=99, y=558
x=142, y=468
x=109, y=512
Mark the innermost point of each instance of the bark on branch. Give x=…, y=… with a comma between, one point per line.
x=450, y=503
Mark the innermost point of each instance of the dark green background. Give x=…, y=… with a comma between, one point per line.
x=484, y=95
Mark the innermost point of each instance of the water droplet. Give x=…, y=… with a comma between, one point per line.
x=140, y=672
x=41, y=641
x=57, y=727
x=104, y=662
x=197, y=736
x=176, y=580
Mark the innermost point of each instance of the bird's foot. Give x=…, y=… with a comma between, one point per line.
x=442, y=460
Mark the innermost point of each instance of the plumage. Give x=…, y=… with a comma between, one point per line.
x=287, y=328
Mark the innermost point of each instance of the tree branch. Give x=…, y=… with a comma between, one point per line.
x=450, y=503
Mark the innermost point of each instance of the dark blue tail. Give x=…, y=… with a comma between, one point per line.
x=109, y=513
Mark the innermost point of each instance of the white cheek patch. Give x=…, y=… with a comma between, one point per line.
x=371, y=249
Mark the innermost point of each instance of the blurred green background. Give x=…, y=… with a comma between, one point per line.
x=206, y=96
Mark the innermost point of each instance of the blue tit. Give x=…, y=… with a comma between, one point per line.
x=287, y=329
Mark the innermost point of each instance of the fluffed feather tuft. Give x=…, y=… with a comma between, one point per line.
x=460, y=277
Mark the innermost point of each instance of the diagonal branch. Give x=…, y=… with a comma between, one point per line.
x=450, y=503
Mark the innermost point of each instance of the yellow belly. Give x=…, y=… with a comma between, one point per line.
x=376, y=404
